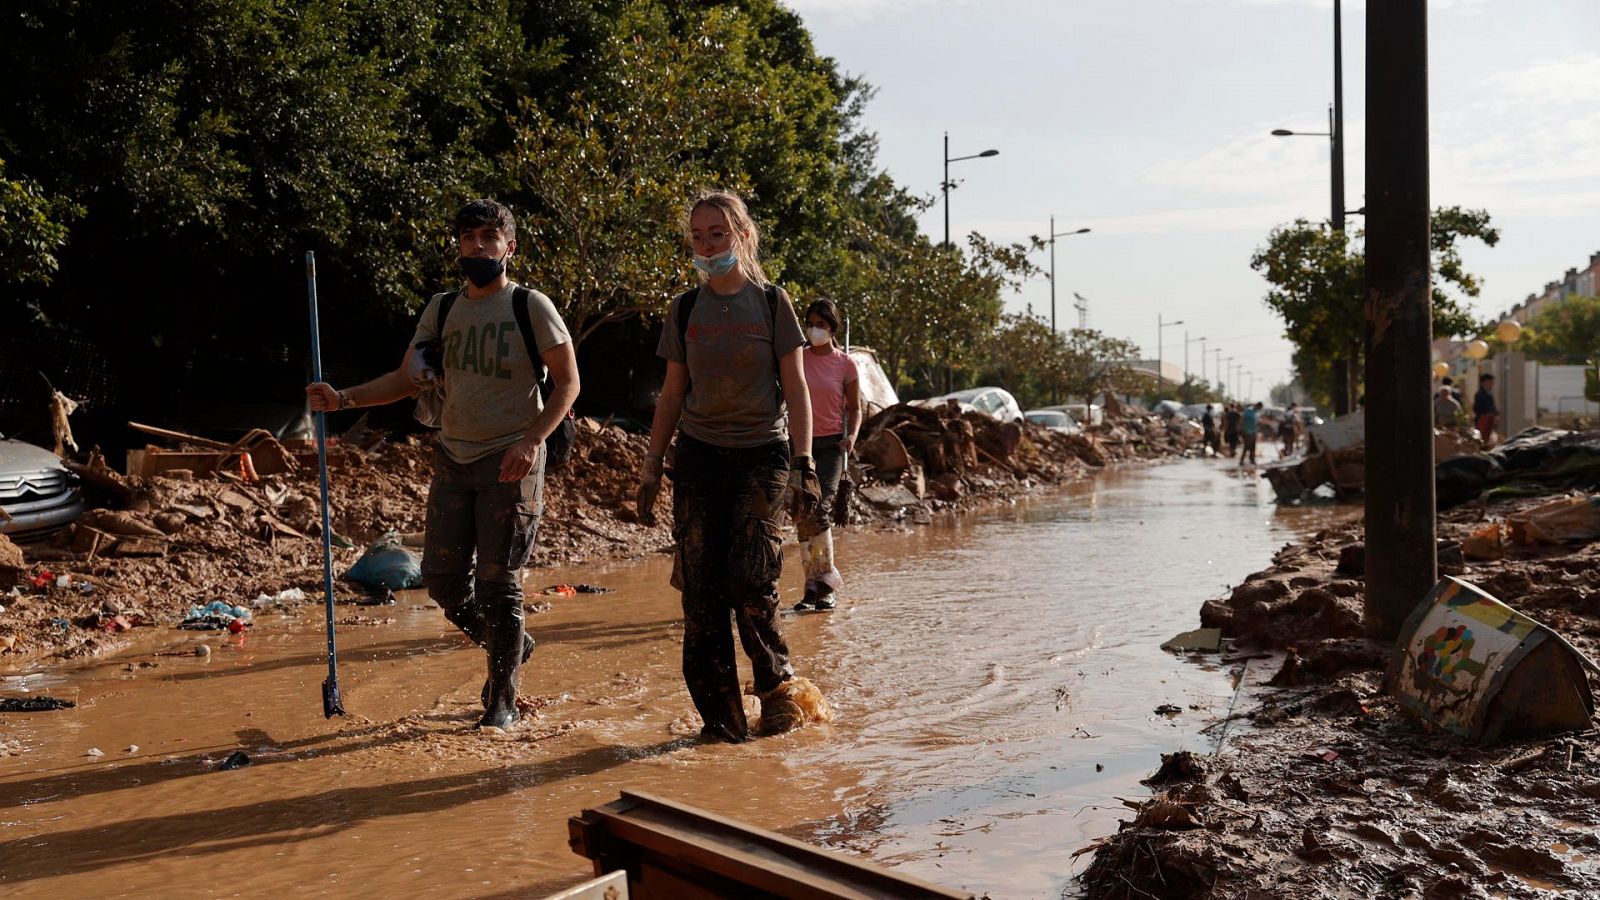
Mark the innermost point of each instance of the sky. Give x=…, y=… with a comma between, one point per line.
x=1148, y=121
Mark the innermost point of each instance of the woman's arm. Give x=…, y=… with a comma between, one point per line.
x=852, y=406
x=669, y=408
x=792, y=377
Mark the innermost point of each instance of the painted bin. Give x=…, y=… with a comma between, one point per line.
x=1478, y=668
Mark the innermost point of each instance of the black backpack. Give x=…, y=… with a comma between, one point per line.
x=686, y=302
x=558, y=446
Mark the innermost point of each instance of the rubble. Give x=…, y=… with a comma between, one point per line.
x=240, y=523
x=1337, y=790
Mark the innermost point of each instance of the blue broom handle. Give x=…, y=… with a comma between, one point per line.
x=322, y=462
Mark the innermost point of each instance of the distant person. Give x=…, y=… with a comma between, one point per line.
x=1484, y=410
x=1249, y=425
x=1230, y=427
x=835, y=390
x=1208, y=424
x=1446, y=410
x=487, y=492
x=1289, y=429
x=735, y=400
x=1450, y=383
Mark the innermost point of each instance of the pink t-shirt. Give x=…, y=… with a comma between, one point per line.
x=826, y=377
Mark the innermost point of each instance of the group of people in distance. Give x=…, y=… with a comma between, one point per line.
x=761, y=417
x=1447, y=410
x=1238, y=428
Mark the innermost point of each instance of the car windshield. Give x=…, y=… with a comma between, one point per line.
x=1048, y=419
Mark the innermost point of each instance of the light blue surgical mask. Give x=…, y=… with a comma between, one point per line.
x=719, y=265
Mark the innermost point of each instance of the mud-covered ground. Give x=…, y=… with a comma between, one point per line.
x=1322, y=788
x=169, y=542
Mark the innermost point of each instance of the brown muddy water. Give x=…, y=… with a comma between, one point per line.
x=994, y=680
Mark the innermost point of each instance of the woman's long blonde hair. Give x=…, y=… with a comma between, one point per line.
x=746, y=235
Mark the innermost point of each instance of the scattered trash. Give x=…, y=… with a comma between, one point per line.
x=43, y=579
x=202, y=650
x=1322, y=753
x=215, y=616
x=1168, y=709
x=94, y=751
x=1478, y=668
x=285, y=596
x=33, y=704
x=119, y=623
x=572, y=590
x=387, y=566
x=1556, y=522
x=132, y=748
x=1486, y=543
x=1180, y=766
x=388, y=599
x=1201, y=639
x=238, y=759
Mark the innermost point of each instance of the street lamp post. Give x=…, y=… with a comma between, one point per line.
x=1343, y=367
x=1161, y=331
x=1186, y=342
x=1053, y=235
x=946, y=185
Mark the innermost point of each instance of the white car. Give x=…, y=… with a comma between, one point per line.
x=1054, y=419
x=992, y=401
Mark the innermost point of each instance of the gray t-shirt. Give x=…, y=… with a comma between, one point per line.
x=491, y=384
x=733, y=347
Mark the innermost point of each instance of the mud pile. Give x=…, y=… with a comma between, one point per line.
x=1324, y=788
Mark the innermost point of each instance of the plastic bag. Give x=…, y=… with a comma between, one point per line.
x=387, y=565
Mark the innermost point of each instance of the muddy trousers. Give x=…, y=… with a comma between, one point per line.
x=816, y=533
x=727, y=561
x=480, y=534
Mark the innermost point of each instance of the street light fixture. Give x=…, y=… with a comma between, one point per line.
x=1053, y=235
x=946, y=185
x=1161, y=331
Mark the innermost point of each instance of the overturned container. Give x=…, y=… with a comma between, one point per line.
x=1478, y=668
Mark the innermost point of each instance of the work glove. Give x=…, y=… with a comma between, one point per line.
x=649, y=487
x=804, y=490
x=426, y=368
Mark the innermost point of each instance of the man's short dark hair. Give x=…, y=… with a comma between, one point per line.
x=483, y=212
x=1447, y=380
x=1484, y=378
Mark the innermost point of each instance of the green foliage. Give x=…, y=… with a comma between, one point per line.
x=1565, y=333
x=1316, y=279
x=33, y=227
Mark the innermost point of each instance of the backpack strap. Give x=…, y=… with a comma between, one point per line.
x=445, y=302
x=519, y=308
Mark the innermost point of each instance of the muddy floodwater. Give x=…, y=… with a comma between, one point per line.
x=995, y=680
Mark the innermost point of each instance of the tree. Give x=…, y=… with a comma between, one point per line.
x=33, y=227
x=1565, y=333
x=1317, y=285
x=1095, y=363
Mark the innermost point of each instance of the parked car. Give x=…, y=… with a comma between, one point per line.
x=992, y=401
x=1054, y=419
x=1093, y=413
x=877, y=393
x=37, y=493
x=1166, y=409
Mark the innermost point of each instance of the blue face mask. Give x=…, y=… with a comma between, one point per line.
x=719, y=265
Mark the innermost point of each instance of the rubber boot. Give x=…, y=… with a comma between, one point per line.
x=505, y=644
x=527, y=651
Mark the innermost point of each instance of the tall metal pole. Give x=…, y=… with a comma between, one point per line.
x=946, y=186
x=1186, y=355
x=1052, y=269
x=1401, y=557
x=1160, y=330
x=1202, y=359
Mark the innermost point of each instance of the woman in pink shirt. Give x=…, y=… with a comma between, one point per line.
x=835, y=419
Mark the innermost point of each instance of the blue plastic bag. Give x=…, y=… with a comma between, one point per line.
x=387, y=565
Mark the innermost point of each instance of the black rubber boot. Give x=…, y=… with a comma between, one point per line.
x=527, y=651
x=505, y=644
x=467, y=617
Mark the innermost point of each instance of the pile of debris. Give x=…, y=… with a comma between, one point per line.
x=1334, y=463
x=1323, y=784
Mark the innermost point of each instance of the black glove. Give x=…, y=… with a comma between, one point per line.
x=805, y=489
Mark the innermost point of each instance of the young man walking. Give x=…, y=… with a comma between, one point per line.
x=487, y=492
x=1484, y=411
x=1249, y=425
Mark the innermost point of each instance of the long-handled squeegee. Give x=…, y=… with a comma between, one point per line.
x=330, y=688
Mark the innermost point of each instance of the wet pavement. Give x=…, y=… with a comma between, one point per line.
x=995, y=681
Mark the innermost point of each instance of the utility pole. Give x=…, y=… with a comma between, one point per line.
x=1401, y=556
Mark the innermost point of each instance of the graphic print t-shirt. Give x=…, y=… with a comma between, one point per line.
x=731, y=348
x=491, y=384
